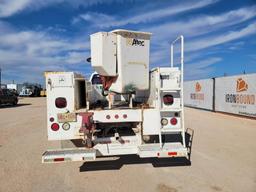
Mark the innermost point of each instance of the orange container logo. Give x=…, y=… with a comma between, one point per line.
x=241, y=85
x=198, y=87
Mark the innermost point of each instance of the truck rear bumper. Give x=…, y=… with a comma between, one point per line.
x=144, y=151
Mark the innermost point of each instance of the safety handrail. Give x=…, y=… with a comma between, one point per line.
x=181, y=38
x=181, y=50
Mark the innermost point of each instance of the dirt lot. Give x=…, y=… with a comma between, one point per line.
x=223, y=158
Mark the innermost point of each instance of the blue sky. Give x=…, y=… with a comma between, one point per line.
x=43, y=35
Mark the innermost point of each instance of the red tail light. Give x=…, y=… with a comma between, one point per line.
x=55, y=127
x=59, y=159
x=173, y=121
x=116, y=116
x=172, y=153
x=168, y=99
x=61, y=102
x=124, y=116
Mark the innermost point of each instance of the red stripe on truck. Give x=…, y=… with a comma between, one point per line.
x=172, y=153
x=58, y=159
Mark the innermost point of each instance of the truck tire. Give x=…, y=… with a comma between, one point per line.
x=15, y=102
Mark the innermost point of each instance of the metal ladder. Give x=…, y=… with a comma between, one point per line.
x=181, y=110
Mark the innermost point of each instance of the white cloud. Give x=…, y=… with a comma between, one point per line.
x=26, y=54
x=199, y=35
x=214, y=40
x=75, y=57
x=207, y=24
x=145, y=16
x=11, y=7
x=40, y=43
x=194, y=49
x=202, y=24
x=200, y=69
x=236, y=45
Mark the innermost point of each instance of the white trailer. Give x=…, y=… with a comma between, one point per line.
x=16, y=87
x=138, y=112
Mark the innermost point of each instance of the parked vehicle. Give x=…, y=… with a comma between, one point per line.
x=43, y=93
x=8, y=97
x=15, y=87
x=30, y=91
x=14, y=91
x=137, y=110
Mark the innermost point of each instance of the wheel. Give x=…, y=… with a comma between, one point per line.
x=15, y=102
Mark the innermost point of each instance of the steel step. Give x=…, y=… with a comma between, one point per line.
x=70, y=154
x=170, y=130
x=170, y=109
x=170, y=89
x=175, y=149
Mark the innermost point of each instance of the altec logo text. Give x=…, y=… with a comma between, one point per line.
x=241, y=86
x=197, y=95
x=135, y=42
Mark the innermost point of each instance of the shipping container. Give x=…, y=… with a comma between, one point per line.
x=199, y=94
x=236, y=94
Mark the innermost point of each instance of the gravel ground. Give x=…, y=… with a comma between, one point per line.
x=223, y=158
